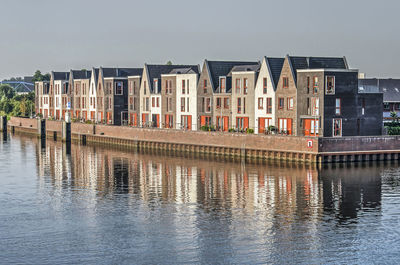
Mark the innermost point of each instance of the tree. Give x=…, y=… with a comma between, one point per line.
x=6, y=91
x=394, y=116
x=169, y=63
x=38, y=76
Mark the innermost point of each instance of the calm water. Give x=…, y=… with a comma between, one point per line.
x=107, y=206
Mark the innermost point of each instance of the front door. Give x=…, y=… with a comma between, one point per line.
x=311, y=127
x=261, y=125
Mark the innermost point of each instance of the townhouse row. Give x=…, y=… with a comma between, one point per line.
x=305, y=96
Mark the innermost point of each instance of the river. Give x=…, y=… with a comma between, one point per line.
x=101, y=205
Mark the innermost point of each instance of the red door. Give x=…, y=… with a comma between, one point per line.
x=203, y=121
x=158, y=120
x=246, y=123
x=226, y=123
x=289, y=126
x=307, y=127
x=189, y=121
x=92, y=113
x=261, y=125
x=63, y=114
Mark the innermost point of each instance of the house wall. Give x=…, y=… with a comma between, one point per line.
x=191, y=95
x=371, y=119
x=93, y=96
x=165, y=97
x=120, y=102
x=285, y=93
x=144, y=93
x=259, y=93
x=135, y=95
x=204, y=93
x=156, y=110
x=101, y=109
x=247, y=106
x=224, y=112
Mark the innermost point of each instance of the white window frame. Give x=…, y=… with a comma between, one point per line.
x=326, y=85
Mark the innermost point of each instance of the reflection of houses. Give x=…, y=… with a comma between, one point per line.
x=391, y=93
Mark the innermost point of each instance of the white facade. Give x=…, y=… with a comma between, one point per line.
x=92, y=108
x=186, y=101
x=155, y=109
x=58, y=86
x=261, y=111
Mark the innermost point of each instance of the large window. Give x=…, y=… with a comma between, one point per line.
x=208, y=105
x=265, y=85
x=338, y=107
x=226, y=103
x=281, y=103
x=222, y=84
x=218, y=103
x=285, y=82
x=245, y=85
x=182, y=104
x=337, y=127
x=315, y=85
x=260, y=103
x=269, y=105
x=290, y=103
x=183, y=86
x=237, y=86
x=239, y=105
x=315, y=106
x=330, y=85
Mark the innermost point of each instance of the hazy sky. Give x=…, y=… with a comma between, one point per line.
x=64, y=34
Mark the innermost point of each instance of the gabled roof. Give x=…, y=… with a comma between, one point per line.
x=81, y=74
x=156, y=70
x=121, y=72
x=302, y=62
x=217, y=69
x=60, y=75
x=389, y=87
x=275, y=68
x=185, y=70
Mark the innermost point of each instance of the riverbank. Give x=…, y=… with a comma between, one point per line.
x=266, y=147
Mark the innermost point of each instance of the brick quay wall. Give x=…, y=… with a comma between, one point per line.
x=266, y=147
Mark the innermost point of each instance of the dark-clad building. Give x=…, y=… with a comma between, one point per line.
x=390, y=88
x=330, y=105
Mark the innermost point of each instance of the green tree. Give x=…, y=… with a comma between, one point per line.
x=6, y=91
x=169, y=63
x=38, y=76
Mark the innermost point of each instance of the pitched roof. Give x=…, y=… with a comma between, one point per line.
x=121, y=72
x=275, y=68
x=60, y=75
x=156, y=70
x=185, y=70
x=302, y=62
x=81, y=74
x=222, y=68
x=246, y=68
x=389, y=87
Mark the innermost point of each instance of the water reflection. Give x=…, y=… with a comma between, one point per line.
x=286, y=191
x=115, y=206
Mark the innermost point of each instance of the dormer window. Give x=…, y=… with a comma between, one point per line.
x=118, y=88
x=222, y=84
x=155, y=83
x=330, y=85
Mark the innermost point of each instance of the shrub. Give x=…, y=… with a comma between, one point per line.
x=250, y=131
x=393, y=130
x=204, y=128
x=88, y=122
x=232, y=130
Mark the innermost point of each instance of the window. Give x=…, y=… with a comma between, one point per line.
x=205, y=86
x=155, y=84
x=218, y=103
x=187, y=105
x=222, y=84
x=130, y=88
x=308, y=85
x=144, y=87
x=260, y=103
x=237, y=85
x=330, y=85
x=118, y=88
x=281, y=103
x=134, y=87
x=203, y=103
x=269, y=105
x=208, y=105
x=244, y=105
x=187, y=86
x=158, y=102
x=386, y=106
x=147, y=104
x=290, y=103
x=265, y=85
x=153, y=102
x=315, y=85
x=183, y=86
x=363, y=106
x=135, y=104
x=315, y=106
x=338, y=110
x=226, y=103
x=245, y=85
x=239, y=105
x=337, y=127
x=182, y=104
x=285, y=82
x=314, y=126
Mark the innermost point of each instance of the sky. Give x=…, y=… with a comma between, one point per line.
x=61, y=35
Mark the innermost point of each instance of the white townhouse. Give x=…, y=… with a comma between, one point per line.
x=264, y=103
